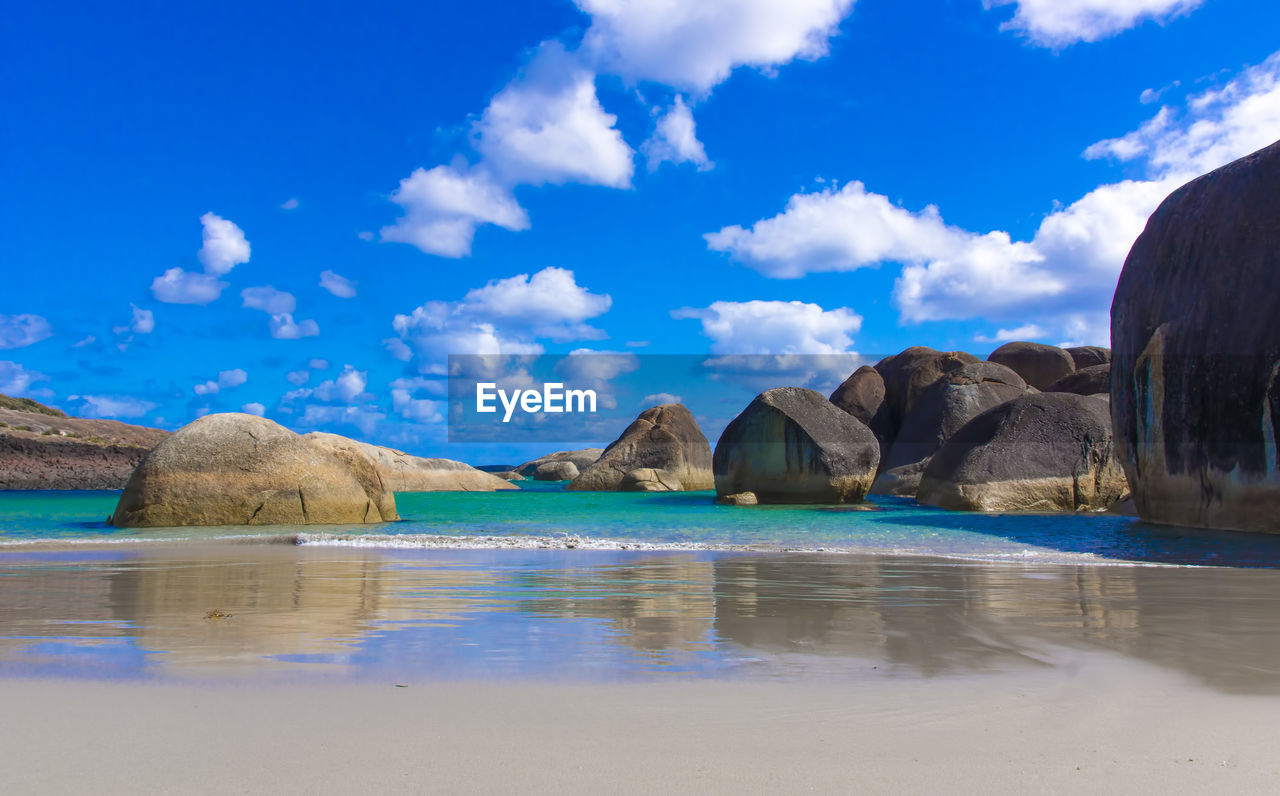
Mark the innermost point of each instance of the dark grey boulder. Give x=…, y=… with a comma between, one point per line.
x=662, y=450
x=1086, y=356
x=792, y=445
x=1092, y=380
x=1195, y=369
x=1040, y=452
x=1040, y=364
x=953, y=400
x=910, y=373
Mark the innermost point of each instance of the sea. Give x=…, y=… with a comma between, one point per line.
x=544, y=584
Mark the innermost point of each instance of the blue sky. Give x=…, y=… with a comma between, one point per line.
x=766, y=177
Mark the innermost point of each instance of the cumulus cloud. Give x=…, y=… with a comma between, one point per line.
x=660, y=398
x=1058, y=23
x=143, y=322
x=16, y=380
x=254, y=408
x=364, y=418
x=347, y=387
x=112, y=406
x=226, y=380
x=283, y=327
x=675, y=139
x=774, y=327
x=318, y=364
x=20, y=331
x=697, y=45
x=406, y=399
x=224, y=248
x=298, y=377
x=268, y=300
x=1028, y=331
x=338, y=285
x=444, y=205
x=289, y=204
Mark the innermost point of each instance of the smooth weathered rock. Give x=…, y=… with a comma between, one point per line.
x=402, y=472
x=1195, y=369
x=862, y=395
x=663, y=439
x=237, y=469
x=561, y=470
x=1093, y=380
x=1086, y=356
x=953, y=400
x=910, y=373
x=582, y=459
x=510, y=475
x=738, y=499
x=792, y=445
x=1040, y=452
x=1040, y=364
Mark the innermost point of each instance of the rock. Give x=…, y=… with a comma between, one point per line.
x=1092, y=380
x=665, y=441
x=1086, y=356
x=510, y=475
x=1040, y=452
x=1195, y=390
x=496, y=468
x=953, y=400
x=862, y=395
x=738, y=499
x=582, y=459
x=402, y=472
x=237, y=469
x=1041, y=365
x=910, y=373
x=791, y=445
x=562, y=470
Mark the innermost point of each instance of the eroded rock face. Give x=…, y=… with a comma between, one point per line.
x=1040, y=452
x=792, y=445
x=1093, y=380
x=1195, y=390
x=1086, y=356
x=238, y=469
x=42, y=448
x=662, y=450
x=560, y=470
x=1041, y=365
x=953, y=400
x=402, y=472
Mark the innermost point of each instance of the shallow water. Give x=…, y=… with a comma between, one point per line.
x=547, y=584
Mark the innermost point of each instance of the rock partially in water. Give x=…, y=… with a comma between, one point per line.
x=1195, y=371
x=1040, y=452
x=792, y=445
x=561, y=470
x=1040, y=364
x=403, y=472
x=738, y=499
x=662, y=450
x=238, y=469
x=582, y=459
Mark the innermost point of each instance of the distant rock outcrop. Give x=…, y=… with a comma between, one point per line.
x=792, y=445
x=1040, y=452
x=559, y=470
x=663, y=450
x=1195, y=370
x=1086, y=356
x=238, y=469
x=1093, y=380
x=42, y=448
x=1041, y=365
x=403, y=472
x=581, y=459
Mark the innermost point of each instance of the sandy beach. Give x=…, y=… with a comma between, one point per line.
x=1101, y=724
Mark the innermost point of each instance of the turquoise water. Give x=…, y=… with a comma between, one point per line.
x=545, y=515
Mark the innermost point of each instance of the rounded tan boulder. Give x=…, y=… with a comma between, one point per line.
x=663, y=450
x=403, y=472
x=238, y=469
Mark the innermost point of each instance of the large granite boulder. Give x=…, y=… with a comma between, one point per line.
x=662, y=450
x=1086, y=356
x=238, y=469
x=862, y=395
x=1195, y=369
x=1093, y=380
x=953, y=400
x=558, y=470
x=581, y=459
x=402, y=472
x=1040, y=452
x=792, y=445
x=1040, y=364
x=910, y=373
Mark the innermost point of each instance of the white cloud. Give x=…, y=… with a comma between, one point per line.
x=696, y=45
x=547, y=126
x=143, y=322
x=112, y=406
x=346, y=388
x=289, y=204
x=232, y=378
x=675, y=139
x=1057, y=23
x=283, y=327
x=338, y=285
x=254, y=408
x=443, y=207
x=19, y=331
x=318, y=364
x=406, y=403
x=775, y=327
x=176, y=286
x=224, y=245
x=365, y=418
x=1028, y=331
x=16, y=380
x=298, y=377
x=268, y=300
x=660, y=398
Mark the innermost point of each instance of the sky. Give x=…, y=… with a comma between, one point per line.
x=300, y=210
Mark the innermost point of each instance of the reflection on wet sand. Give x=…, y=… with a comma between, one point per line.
x=457, y=613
